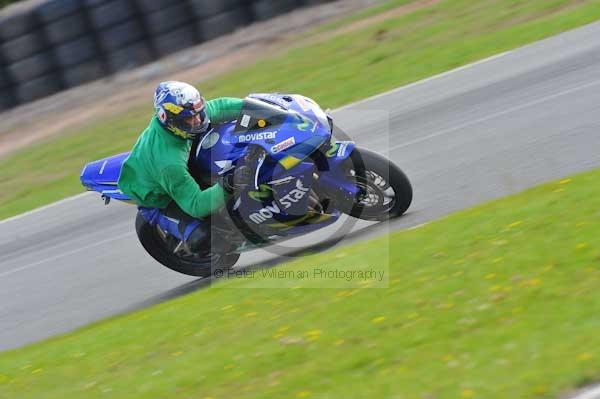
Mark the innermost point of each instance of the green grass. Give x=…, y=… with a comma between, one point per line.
x=500, y=301
x=334, y=72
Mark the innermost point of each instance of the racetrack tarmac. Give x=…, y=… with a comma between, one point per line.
x=477, y=133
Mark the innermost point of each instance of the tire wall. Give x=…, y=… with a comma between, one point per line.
x=50, y=45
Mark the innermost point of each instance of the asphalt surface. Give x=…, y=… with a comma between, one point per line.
x=471, y=135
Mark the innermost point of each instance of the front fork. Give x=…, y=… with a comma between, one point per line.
x=334, y=178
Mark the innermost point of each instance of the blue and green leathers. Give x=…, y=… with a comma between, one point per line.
x=156, y=172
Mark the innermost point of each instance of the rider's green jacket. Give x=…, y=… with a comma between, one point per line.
x=156, y=172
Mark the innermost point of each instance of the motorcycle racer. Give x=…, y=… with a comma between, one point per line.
x=155, y=174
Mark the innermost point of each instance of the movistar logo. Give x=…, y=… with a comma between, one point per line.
x=244, y=138
x=287, y=201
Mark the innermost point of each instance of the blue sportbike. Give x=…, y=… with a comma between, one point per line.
x=302, y=179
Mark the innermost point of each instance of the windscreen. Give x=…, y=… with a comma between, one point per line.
x=258, y=115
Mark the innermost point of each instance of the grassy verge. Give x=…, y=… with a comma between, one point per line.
x=500, y=301
x=340, y=70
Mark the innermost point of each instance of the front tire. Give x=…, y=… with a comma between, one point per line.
x=199, y=266
x=386, y=191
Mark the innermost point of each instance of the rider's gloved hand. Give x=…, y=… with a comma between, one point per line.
x=240, y=179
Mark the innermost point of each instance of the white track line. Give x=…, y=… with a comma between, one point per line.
x=593, y=393
x=396, y=90
x=494, y=115
x=84, y=248
x=43, y=208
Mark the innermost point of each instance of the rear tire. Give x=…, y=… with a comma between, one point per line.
x=155, y=246
x=375, y=171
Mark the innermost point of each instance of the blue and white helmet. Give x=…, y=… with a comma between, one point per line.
x=180, y=109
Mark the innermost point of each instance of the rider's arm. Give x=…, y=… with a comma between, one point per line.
x=184, y=190
x=224, y=109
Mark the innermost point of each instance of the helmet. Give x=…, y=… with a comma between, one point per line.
x=181, y=109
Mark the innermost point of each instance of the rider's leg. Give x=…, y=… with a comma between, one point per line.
x=172, y=220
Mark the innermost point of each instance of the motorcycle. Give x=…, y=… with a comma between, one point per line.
x=302, y=180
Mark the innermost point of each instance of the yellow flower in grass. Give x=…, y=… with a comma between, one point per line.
x=515, y=224
x=467, y=393
x=377, y=320
x=313, y=335
x=565, y=181
x=584, y=357
x=303, y=394
x=582, y=245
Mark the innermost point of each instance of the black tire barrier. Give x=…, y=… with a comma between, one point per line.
x=209, y=8
x=149, y=6
x=176, y=40
x=65, y=29
x=120, y=35
x=108, y=13
x=48, y=45
x=75, y=52
x=31, y=67
x=38, y=88
x=82, y=73
x=52, y=10
x=7, y=99
x=17, y=24
x=223, y=23
x=5, y=80
x=23, y=46
x=131, y=56
x=267, y=9
x=168, y=19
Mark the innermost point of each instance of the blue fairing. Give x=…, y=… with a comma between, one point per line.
x=290, y=129
x=102, y=176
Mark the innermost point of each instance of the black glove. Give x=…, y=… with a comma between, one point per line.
x=240, y=179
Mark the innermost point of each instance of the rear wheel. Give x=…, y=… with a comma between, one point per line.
x=386, y=192
x=163, y=248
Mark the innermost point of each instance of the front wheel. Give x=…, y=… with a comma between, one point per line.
x=386, y=192
x=163, y=248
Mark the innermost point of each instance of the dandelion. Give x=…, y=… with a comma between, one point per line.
x=377, y=320
x=533, y=282
x=584, y=357
x=565, y=181
x=250, y=314
x=467, y=393
x=177, y=354
x=582, y=245
x=515, y=224
x=558, y=190
x=303, y=394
